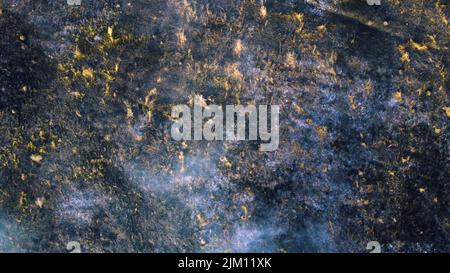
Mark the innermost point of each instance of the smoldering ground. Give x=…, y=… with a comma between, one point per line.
x=86, y=153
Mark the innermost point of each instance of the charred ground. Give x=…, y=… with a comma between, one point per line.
x=85, y=147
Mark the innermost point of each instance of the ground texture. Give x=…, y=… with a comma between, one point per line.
x=85, y=147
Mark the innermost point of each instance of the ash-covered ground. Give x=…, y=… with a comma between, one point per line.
x=86, y=153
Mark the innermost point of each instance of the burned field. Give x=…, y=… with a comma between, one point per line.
x=86, y=153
